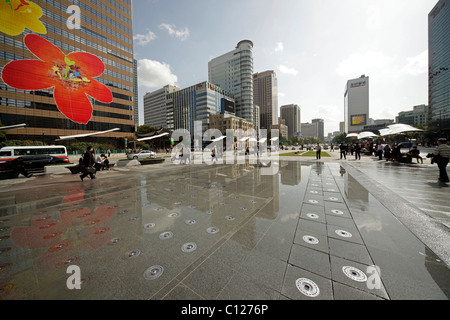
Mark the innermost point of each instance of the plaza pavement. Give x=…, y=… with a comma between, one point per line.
x=316, y=229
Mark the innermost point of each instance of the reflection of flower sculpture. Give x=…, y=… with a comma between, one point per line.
x=79, y=230
x=71, y=75
x=16, y=15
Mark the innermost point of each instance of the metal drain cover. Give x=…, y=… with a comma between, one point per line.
x=148, y=226
x=166, y=235
x=314, y=192
x=310, y=239
x=335, y=211
x=173, y=215
x=153, y=272
x=210, y=211
x=354, y=273
x=308, y=287
x=343, y=233
x=131, y=254
x=333, y=198
x=312, y=215
x=230, y=218
x=114, y=241
x=212, y=230
x=190, y=222
x=189, y=247
x=313, y=201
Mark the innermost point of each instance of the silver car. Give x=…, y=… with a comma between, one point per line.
x=144, y=154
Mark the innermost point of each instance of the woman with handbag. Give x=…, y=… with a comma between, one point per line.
x=88, y=164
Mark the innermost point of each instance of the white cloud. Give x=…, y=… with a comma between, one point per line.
x=180, y=34
x=155, y=74
x=373, y=21
x=417, y=65
x=144, y=39
x=364, y=63
x=287, y=70
x=279, y=47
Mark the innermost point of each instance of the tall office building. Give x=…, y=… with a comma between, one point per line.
x=155, y=107
x=265, y=95
x=320, y=128
x=292, y=116
x=438, y=68
x=67, y=68
x=233, y=72
x=356, y=104
x=310, y=130
x=197, y=103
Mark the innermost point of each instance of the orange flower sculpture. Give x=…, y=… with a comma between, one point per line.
x=70, y=75
x=16, y=15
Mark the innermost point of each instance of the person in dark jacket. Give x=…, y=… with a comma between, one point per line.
x=88, y=162
x=19, y=167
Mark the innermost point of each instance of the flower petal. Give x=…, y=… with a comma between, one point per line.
x=27, y=75
x=91, y=65
x=43, y=49
x=99, y=92
x=74, y=104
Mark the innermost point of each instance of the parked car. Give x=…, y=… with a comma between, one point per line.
x=144, y=154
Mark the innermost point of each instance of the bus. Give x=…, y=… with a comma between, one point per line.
x=57, y=153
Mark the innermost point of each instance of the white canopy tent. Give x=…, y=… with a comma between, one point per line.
x=154, y=137
x=86, y=134
x=398, y=128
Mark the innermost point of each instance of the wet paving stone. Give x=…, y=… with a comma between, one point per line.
x=307, y=232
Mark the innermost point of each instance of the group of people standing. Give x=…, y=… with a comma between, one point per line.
x=353, y=148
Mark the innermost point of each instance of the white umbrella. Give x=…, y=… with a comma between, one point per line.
x=366, y=134
x=400, y=128
x=352, y=135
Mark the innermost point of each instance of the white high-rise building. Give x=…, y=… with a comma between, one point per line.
x=356, y=104
x=155, y=107
x=233, y=72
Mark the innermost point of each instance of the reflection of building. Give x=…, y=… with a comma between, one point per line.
x=265, y=95
x=356, y=104
x=106, y=32
x=233, y=72
x=417, y=116
x=438, y=66
x=291, y=173
x=291, y=114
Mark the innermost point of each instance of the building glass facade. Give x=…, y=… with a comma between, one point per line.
x=233, y=72
x=439, y=65
x=197, y=103
x=75, y=61
x=265, y=95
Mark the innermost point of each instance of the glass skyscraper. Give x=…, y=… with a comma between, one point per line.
x=67, y=68
x=233, y=72
x=439, y=65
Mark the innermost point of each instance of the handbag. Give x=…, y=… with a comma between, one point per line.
x=91, y=170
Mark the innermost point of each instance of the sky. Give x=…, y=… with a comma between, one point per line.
x=314, y=46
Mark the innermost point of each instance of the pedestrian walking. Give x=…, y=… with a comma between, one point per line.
x=318, y=151
x=380, y=151
x=19, y=167
x=357, y=152
x=441, y=157
x=342, y=150
x=88, y=164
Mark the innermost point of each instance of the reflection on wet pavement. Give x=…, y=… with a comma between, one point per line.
x=312, y=231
